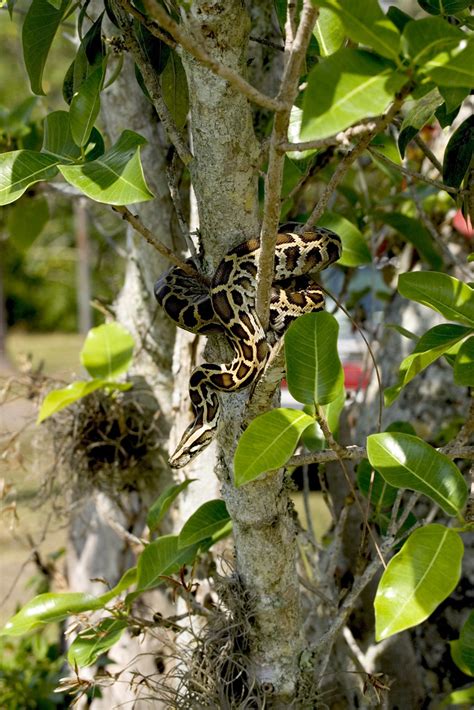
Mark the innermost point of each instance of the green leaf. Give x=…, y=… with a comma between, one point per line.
x=57, y=400
x=453, y=98
x=22, y=168
x=444, y=7
x=426, y=38
x=466, y=643
x=314, y=372
x=370, y=483
x=453, y=69
x=398, y=17
x=162, y=504
x=415, y=233
x=116, y=178
x=463, y=697
x=444, y=294
x=85, y=106
x=156, y=51
x=175, y=89
x=464, y=364
x=26, y=219
x=406, y=461
x=440, y=340
x=365, y=22
x=107, y=351
x=208, y=520
x=41, y=23
x=421, y=576
x=458, y=153
x=58, y=139
x=418, y=116
x=93, y=642
x=329, y=32
x=354, y=247
x=347, y=86
x=268, y=443
x=162, y=557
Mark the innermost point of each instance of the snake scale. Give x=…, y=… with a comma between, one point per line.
x=227, y=306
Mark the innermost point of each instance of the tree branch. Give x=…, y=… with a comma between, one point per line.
x=194, y=45
x=341, y=138
x=348, y=159
x=274, y=176
x=412, y=173
x=355, y=453
x=159, y=246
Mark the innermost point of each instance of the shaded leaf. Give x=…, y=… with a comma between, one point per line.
x=85, y=106
x=22, y=168
x=444, y=294
x=94, y=641
x=458, y=153
x=107, y=351
x=175, y=89
x=406, y=461
x=453, y=68
x=426, y=38
x=464, y=364
x=398, y=17
x=162, y=504
x=444, y=7
x=115, y=178
x=314, y=372
x=416, y=233
x=92, y=42
x=268, y=443
x=347, y=86
x=161, y=557
x=41, y=23
x=417, y=579
x=440, y=340
x=365, y=22
x=26, y=219
x=466, y=643
x=58, y=138
x=354, y=247
x=371, y=484
x=156, y=51
x=208, y=520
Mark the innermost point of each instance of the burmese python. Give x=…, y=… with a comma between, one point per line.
x=227, y=306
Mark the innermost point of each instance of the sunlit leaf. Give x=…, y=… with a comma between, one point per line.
x=418, y=116
x=59, y=399
x=209, y=519
x=329, y=32
x=440, y=340
x=162, y=504
x=407, y=461
x=107, y=351
x=162, y=557
x=425, y=38
x=464, y=364
x=93, y=642
x=444, y=294
x=344, y=88
x=453, y=69
x=354, y=247
x=115, y=178
x=314, y=371
x=39, y=27
x=463, y=698
x=417, y=579
x=268, y=443
x=22, y=168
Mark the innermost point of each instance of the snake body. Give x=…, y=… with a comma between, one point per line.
x=227, y=306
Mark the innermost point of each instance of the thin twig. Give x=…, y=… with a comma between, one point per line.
x=341, y=138
x=412, y=173
x=152, y=83
x=274, y=176
x=358, y=149
x=355, y=453
x=159, y=246
x=428, y=153
x=194, y=45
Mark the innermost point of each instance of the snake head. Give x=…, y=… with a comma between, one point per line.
x=195, y=439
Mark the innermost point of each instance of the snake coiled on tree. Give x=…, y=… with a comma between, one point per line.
x=227, y=306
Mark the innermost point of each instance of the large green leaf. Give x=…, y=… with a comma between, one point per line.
x=365, y=22
x=107, y=351
x=57, y=138
x=452, y=68
x=268, y=443
x=347, y=86
x=162, y=504
x=444, y=7
x=444, y=294
x=314, y=372
x=426, y=38
x=407, y=461
x=354, y=247
x=59, y=399
x=162, y=557
x=464, y=364
x=329, y=32
x=416, y=233
x=417, y=579
x=41, y=23
x=440, y=340
x=419, y=115
x=93, y=642
x=85, y=106
x=458, y=153
x=116, y=178
x=210, y=519
x=22, y=168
